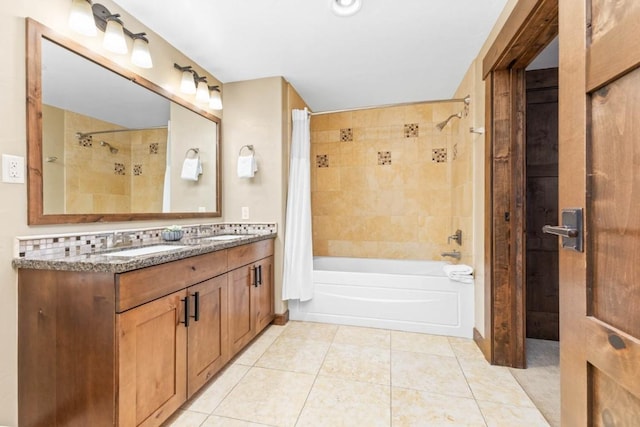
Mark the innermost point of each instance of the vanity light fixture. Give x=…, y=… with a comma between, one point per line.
x=215, y=100
x=81, y=18
x=202, y=91
x=140, y=54
x=187, y=82
x=114, y=35
x=345, y=7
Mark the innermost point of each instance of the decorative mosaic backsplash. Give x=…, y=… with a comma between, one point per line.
x=346, y=135
x=384, y=157
x=411, y=130
x=322, y=161
x=439, y=155
x=154, y=148
x=85, y=243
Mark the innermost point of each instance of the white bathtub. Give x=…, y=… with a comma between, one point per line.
x=404, y=295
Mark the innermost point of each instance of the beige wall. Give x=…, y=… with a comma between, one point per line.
x=367, y=206
x=13, y=214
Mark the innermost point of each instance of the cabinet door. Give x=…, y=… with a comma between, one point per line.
x=152, y=361
x=241, y=321
x=208, y=340
x=264, y=294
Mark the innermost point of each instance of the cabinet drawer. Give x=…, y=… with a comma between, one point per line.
x=146, y=284
x=245, y=254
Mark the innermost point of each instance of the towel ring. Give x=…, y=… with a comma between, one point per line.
x=196, y=151
x=249, y=147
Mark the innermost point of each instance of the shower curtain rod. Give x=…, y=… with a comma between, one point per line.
x=466, y=100
x=85, y=134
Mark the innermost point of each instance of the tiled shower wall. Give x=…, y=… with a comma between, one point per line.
x=382, y=181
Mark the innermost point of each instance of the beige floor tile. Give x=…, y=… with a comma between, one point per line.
x=267, y=396
x=428, y=372
x=215, y=421
x=310, y=331
x=185, y=419
x=369, y=337
x=464, y=347
x=420, y=408
x=335, y=402
x=493, y=383
x=250, y=355
x=357, y=363
x=500, y=415
x=421, y=343
x=211, y=395
x=296, y=355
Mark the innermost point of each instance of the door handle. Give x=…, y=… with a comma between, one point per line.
x=186, y=311
x=196, y=306
x=255, y=276
x=571, y=229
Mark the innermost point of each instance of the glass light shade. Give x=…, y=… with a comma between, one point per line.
x=140, y=55
x=215, y=101
x=187, y=84
x=81, y=18
x=202, y=93
x=114, y=37
x=345, y=7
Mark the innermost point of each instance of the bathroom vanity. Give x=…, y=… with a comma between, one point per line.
x=127, y=341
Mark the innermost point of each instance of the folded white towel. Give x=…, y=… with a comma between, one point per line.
x=247, y=166
x=459, y=272
x=191, y=169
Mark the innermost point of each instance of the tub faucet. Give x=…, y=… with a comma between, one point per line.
x=454, y=254
x=457, y=237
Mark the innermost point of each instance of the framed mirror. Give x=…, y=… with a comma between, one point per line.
x=104, y=144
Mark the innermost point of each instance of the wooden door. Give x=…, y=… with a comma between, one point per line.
x=542, y=204
x=207, y=336
x=241, y=323
x=152, y=374
x=600, y=170
x=264, y=295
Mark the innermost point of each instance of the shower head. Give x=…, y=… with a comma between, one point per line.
x=113, y=150
x=441, y=125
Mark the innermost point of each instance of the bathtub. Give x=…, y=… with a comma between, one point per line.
x=405, y=295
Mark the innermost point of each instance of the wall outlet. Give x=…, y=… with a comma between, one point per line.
x=245, y=212
x=12, y=169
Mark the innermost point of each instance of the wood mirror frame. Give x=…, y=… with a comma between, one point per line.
x=35, y=32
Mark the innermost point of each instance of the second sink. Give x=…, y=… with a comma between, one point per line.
x=147, y=250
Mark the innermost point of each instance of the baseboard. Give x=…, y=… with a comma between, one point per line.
x=281, y=319
x=483, y=344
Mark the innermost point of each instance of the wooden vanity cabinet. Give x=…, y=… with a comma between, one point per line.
x=104, y=349
x=250, y=292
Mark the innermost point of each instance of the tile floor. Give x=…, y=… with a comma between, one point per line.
x=313, y=374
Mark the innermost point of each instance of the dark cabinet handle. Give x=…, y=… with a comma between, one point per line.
x=186, y=312
x=196, y=304
x=259, y=275
x=255, y=276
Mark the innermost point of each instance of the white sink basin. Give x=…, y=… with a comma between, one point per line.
x=147, y=250
x=222, y=237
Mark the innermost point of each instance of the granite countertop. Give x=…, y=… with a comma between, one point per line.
x=98, y=262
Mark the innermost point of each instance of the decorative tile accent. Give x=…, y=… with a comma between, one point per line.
x=153, y=148
x=137, y=169
x=384, y=157
x=346, y=135
x=411, y=130
x=439, y=155
x=86, y=141
x=119, y=169
x=322, y=161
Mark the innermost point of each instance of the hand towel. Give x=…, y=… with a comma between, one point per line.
x=459, y=272
x=191, y=169
x=247, y=166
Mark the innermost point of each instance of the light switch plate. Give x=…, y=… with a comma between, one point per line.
x=245, y=212
x=12, y=169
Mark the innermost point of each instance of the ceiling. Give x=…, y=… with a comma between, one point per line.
x=389, y=52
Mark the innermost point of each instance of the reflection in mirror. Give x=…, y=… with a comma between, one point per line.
x=109, y=148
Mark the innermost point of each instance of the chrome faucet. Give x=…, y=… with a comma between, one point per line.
x=454, y=254
x=122, y=239
x=205, y=229
x=457, y=237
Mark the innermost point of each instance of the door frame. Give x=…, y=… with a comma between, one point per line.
x=531, y=26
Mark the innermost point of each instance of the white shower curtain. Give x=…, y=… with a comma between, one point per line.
x=298, y=254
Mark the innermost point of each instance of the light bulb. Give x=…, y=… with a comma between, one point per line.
x=140, y=55
x=187, y=85
x=81, y=18
x=215, y=101
x=345, y=7
x=114, y=37
x=202, y=93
